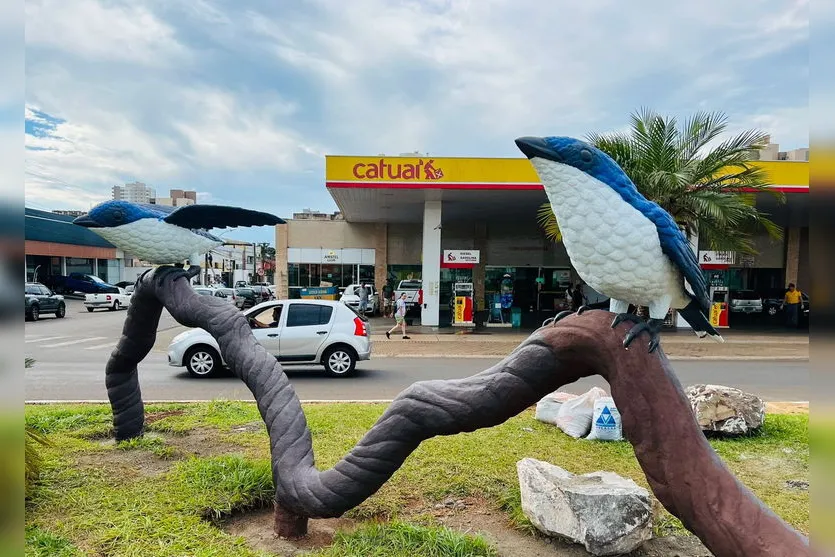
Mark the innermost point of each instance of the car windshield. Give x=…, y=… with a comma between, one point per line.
x=96, y=279
x=745, y=295
x=227, y=291
x=410, y=285
x=204, y=291
x=245, y=291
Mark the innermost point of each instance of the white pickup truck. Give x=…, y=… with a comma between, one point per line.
x=110, y=301
x=414, y=294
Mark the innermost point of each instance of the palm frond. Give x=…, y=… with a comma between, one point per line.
x=548, y=222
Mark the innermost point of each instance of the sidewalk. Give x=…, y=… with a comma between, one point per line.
x=427, y=342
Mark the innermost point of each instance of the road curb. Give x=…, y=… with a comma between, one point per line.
x=312, y=401
x=670, y=358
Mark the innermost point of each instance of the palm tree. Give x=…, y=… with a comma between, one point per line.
x=708, y=189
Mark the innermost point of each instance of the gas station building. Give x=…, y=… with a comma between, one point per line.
x=420, y=217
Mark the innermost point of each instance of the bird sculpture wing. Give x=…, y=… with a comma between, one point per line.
x=218, y=216
x=674, y=243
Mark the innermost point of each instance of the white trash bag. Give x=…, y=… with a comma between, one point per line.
x=605, y=424
x=549, y=406
x=574, y=416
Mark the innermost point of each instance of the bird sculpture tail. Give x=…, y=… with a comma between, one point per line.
x=693, y=314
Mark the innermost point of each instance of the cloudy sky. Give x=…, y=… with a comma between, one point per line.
x=242, y=103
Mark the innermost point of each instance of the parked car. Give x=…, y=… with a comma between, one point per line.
x=264, y=292
x=111, y=301
x=250, y=299
x=40, y=300
x=745, y=301
x=773, y=299
x=241, y=284
x=296, y=332
x=230, y=296
x=79, y=282
x=351, y=298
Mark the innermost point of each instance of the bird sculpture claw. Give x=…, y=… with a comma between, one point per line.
x=653, y=327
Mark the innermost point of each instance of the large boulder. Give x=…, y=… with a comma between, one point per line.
x=608, y=514
x=725, y=409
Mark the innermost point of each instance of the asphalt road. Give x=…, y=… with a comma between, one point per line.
x=71, y=353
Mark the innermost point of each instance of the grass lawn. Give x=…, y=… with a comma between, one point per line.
x=200, y=465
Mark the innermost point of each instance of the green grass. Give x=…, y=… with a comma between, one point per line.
x=150, y=496
x=400, y=539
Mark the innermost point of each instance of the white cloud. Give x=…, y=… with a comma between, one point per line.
x=178, y=91
x=96, y=31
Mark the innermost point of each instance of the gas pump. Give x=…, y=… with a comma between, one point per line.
x=719, y=302
x=462, y=315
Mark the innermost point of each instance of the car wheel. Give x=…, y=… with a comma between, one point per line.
x=34, y=313
x=61, y=311
x=339, y=361
x=772, y=310
x=115, y=306
x=90, y=310
x=202, y=361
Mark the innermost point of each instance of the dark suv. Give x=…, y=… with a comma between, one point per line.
x=40, y=300
x=249, y=296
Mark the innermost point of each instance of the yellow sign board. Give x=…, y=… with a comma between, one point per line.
x=517, y=173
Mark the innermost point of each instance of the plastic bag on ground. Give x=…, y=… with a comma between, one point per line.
x=575, y=415
x=549, y=406
x=605, y=424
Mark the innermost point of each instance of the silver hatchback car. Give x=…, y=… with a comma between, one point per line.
x=296, y=332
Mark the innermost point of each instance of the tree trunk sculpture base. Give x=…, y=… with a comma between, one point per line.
x=289, y=525
x=683, y=471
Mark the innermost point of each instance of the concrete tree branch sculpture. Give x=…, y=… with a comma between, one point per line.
x=656, y=415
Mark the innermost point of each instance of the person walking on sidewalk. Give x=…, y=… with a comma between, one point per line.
x=791, y=303
x=399, y=317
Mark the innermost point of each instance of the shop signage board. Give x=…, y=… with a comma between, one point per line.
x=711, y=258
x=457, y=256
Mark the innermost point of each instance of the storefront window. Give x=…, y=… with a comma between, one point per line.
x=396, y=273
x=293, y=275
x=332, y=274
x=366, y=274
x=79, y=265
x=314, y=274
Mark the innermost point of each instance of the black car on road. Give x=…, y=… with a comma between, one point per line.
x=40, y=300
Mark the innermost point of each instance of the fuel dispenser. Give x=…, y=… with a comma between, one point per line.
x=719, y=306
x=462, y=315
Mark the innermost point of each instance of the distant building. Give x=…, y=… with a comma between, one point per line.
x=135, y=192
x=308, y=214
x=772, y=152
x=68, y=213
x=177, y=198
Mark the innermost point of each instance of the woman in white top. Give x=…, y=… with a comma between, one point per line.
x=399, y=317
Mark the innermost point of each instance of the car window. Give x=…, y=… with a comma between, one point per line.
x=269, y=316
x=32, y=290
x=44, y=290
x=745, y=295
x=301, y=315
x=410, y=285
x=96, y=279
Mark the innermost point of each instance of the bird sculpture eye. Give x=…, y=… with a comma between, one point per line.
x=585, y=154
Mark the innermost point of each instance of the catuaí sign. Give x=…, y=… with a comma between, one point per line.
x=461, y=257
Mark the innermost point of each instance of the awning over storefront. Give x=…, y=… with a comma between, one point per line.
x=394, y=189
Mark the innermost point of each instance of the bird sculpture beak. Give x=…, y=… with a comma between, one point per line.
x=533, y=147
x=86, y=222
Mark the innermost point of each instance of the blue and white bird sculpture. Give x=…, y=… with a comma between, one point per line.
x=165, y=235
x=621, y=244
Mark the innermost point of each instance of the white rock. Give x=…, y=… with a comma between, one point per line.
x=725, y=409
x=608, y=514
